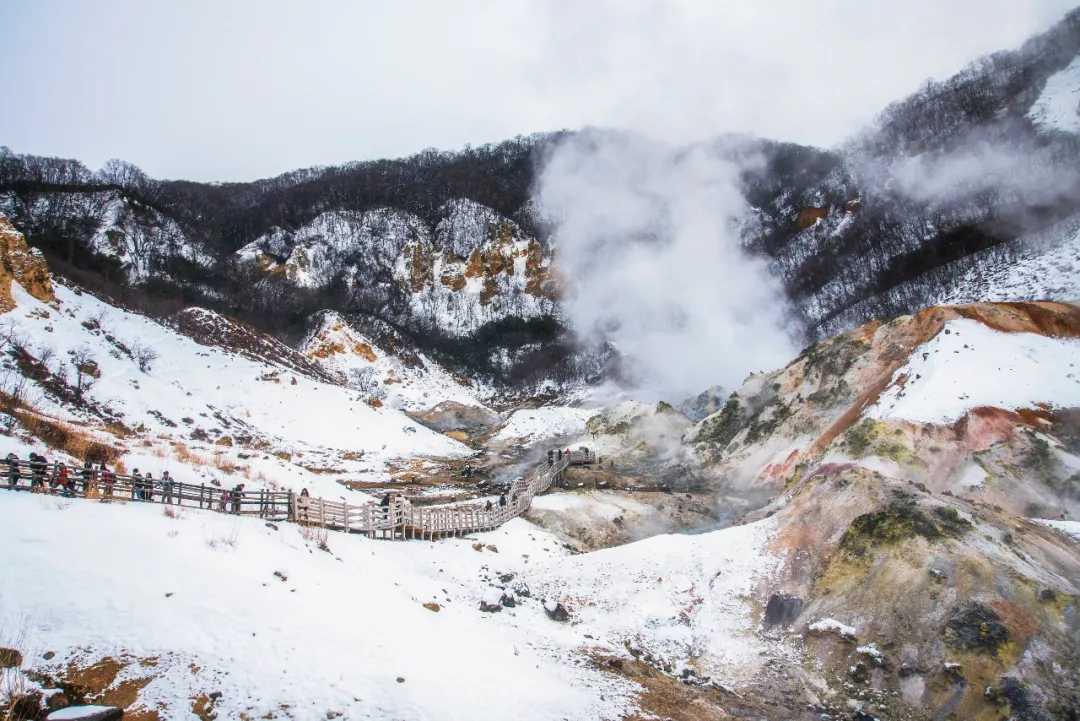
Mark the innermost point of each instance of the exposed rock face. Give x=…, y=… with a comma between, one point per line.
x=21, y=264
x=472, y=268
x=213, y=329
x=911, y=522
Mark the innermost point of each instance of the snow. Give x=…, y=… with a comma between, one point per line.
x=312, y=423
x=968, y=365
x=1058, y=104
x=334, y=345
x=831, y=625
x=675, y=597
x=73, y=713
x=1071, y=528
x=534, y=424
x=333, y=636
x=1047, y=265
x=872, y=651
x=263, y=616
x=366, y=247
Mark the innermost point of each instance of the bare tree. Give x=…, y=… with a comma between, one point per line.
x=144, y=355
x=366, y=380
x=85, y=369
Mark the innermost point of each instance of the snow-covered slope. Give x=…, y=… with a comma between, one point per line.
x=139, y=238
x=1058, y=107
x=415, y=382
x=271, y=419
x=969, y=365
x=230, y=606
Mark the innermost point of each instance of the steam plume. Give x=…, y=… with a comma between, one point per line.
x=647, y=235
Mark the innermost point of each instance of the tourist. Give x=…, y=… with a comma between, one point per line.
x=166, y=488
x=13, y=470
x=108, y=479
x=88, y=478
x=62, y=479
x=303, y=503
x=38, y=465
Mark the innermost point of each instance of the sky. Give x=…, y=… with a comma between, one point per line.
x=219, y=90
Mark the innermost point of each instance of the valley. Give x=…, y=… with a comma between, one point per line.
x=583, y=425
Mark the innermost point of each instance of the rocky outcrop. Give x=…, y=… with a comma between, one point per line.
x=472, y=268
x=21, y=264
x=902, y=469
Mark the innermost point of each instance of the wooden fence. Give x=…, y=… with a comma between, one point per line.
x=393, y=517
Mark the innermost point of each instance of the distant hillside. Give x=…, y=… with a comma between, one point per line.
x=966, y=176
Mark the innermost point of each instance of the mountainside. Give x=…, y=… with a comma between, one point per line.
x=902, y=542
x=965, y=177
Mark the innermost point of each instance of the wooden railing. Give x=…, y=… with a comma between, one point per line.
x=394, y=517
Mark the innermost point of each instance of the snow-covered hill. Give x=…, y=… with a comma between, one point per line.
x=411, y=381
x=164, y=400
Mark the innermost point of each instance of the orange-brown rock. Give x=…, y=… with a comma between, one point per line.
x=23, y=265
x=809, y=216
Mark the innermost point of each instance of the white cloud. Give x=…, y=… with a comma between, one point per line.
x=235, y=90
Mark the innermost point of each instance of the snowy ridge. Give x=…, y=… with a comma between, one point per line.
x=968, y=365
x=1058, y=107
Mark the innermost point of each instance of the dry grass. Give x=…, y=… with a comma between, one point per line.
x=226, y=542
x=317, y=535
x=63, y=436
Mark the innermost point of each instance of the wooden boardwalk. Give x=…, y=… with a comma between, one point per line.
x=395, y=516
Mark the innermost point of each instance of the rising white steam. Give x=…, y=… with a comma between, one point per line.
x=646, y=236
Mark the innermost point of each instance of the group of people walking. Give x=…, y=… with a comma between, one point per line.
x=98, y=481
x=57, y=478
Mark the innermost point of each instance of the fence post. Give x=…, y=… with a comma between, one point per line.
x=291, y=513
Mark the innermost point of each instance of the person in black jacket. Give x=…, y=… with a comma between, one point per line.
x=12, y=469
x=166, y=488
x=37, y=468
x=87, y=478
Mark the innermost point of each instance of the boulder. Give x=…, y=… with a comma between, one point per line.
x=492, y=601
x=782, y=610
x=556, y=611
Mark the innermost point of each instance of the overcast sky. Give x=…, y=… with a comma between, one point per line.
x=217, y=90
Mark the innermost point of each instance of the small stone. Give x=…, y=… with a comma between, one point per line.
x=48, y=655
x=556, y=611
x=432, y=606
x=401, y=679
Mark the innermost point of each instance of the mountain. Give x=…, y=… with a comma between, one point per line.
x=950, y=187
x=904, y=546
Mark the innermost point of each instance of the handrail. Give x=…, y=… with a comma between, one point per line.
x=394, y=515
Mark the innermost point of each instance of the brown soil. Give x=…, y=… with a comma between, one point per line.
x=809, y=216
